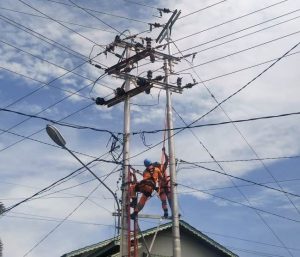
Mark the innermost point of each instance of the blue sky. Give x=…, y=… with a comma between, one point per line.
x=27, y=166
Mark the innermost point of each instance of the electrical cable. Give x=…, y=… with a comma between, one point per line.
x=42, y=142
x=263, y=164
x=46, y=39
x=69, y=125
x=242, y=179
x=49, y=62
x=61, y=222
x=55, y=183
x=52, y=219
x=248, y=67
x=216, y=124
x=239, y=203
x=97, y=11
x=202, y=9
x=76, y=126
x=62, y=21
x=241, y=51
x=41, y=82
x=137, y=3
x=231, y=20
x=241, y=30
x=85, y=10
x=74, y=31
x=244, y=185
x=248, y=144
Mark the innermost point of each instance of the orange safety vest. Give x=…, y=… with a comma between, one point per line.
x=153, y=173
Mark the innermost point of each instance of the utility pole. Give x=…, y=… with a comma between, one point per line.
x=121, y=70
x=172, y=164
x=125, y=233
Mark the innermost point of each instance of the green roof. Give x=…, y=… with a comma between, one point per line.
x=115, y=241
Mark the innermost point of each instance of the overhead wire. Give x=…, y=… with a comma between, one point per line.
x=100, y=12
x=61, y=222
x=231, y=20
x=41, y=82
x=241, y=51
x=142, y=132
x=74, y=31
x=49, y=62
x=239, y=203
x=255, y=153
x=56, y=183
x=244, y=29
x=248, y=144
x=46, y=39
x=88, y=12
x=242, y=179
x=52, y=219
x=67, y=22
x=202, y=9
x=242, y=186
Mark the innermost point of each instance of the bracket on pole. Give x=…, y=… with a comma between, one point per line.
x=168, y=25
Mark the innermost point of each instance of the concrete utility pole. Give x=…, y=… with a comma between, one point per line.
x=172, y=164
x=125, y=233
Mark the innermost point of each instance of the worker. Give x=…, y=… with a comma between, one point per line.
x=151, y=176
x=164, y=186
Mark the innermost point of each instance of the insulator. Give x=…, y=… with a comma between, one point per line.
x=148, y=43
x=117, y=39
x=152, y=58
x=147, y=91
x=141, y=82
x=158, y=78
x=120, y=91
x=149, y=74
x=100, y=101
x=179, y=81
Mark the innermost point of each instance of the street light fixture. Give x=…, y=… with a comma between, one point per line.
x=55, y=135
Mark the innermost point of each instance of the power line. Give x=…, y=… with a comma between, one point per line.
x=202, y=9
x=241, y=51
x=85, y=10
x=62, y=21
x=248, y=67
x=45, y=38
x=41, y=82
x=263, y=164
x=137, y=3
x=243, y=36
x=245, y=185
x=70, y=125
x=251, y=148
x=42, y=142
x=246, y=85
x=242, y=179
x=231, y=20
x=61, y=222
x=252, y=159
x=97, y=11
x=56, y=65
x=52, y=219
x=239, y=203
x=54, y=184
x=77, y=126
x=233, y=39
x=217, y=123
x=74, y=31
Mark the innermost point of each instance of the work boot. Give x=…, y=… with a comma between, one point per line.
x=133, y=202
x=133, y=215
x=166, y=215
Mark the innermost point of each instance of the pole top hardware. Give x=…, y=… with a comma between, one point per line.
x=168, y=25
